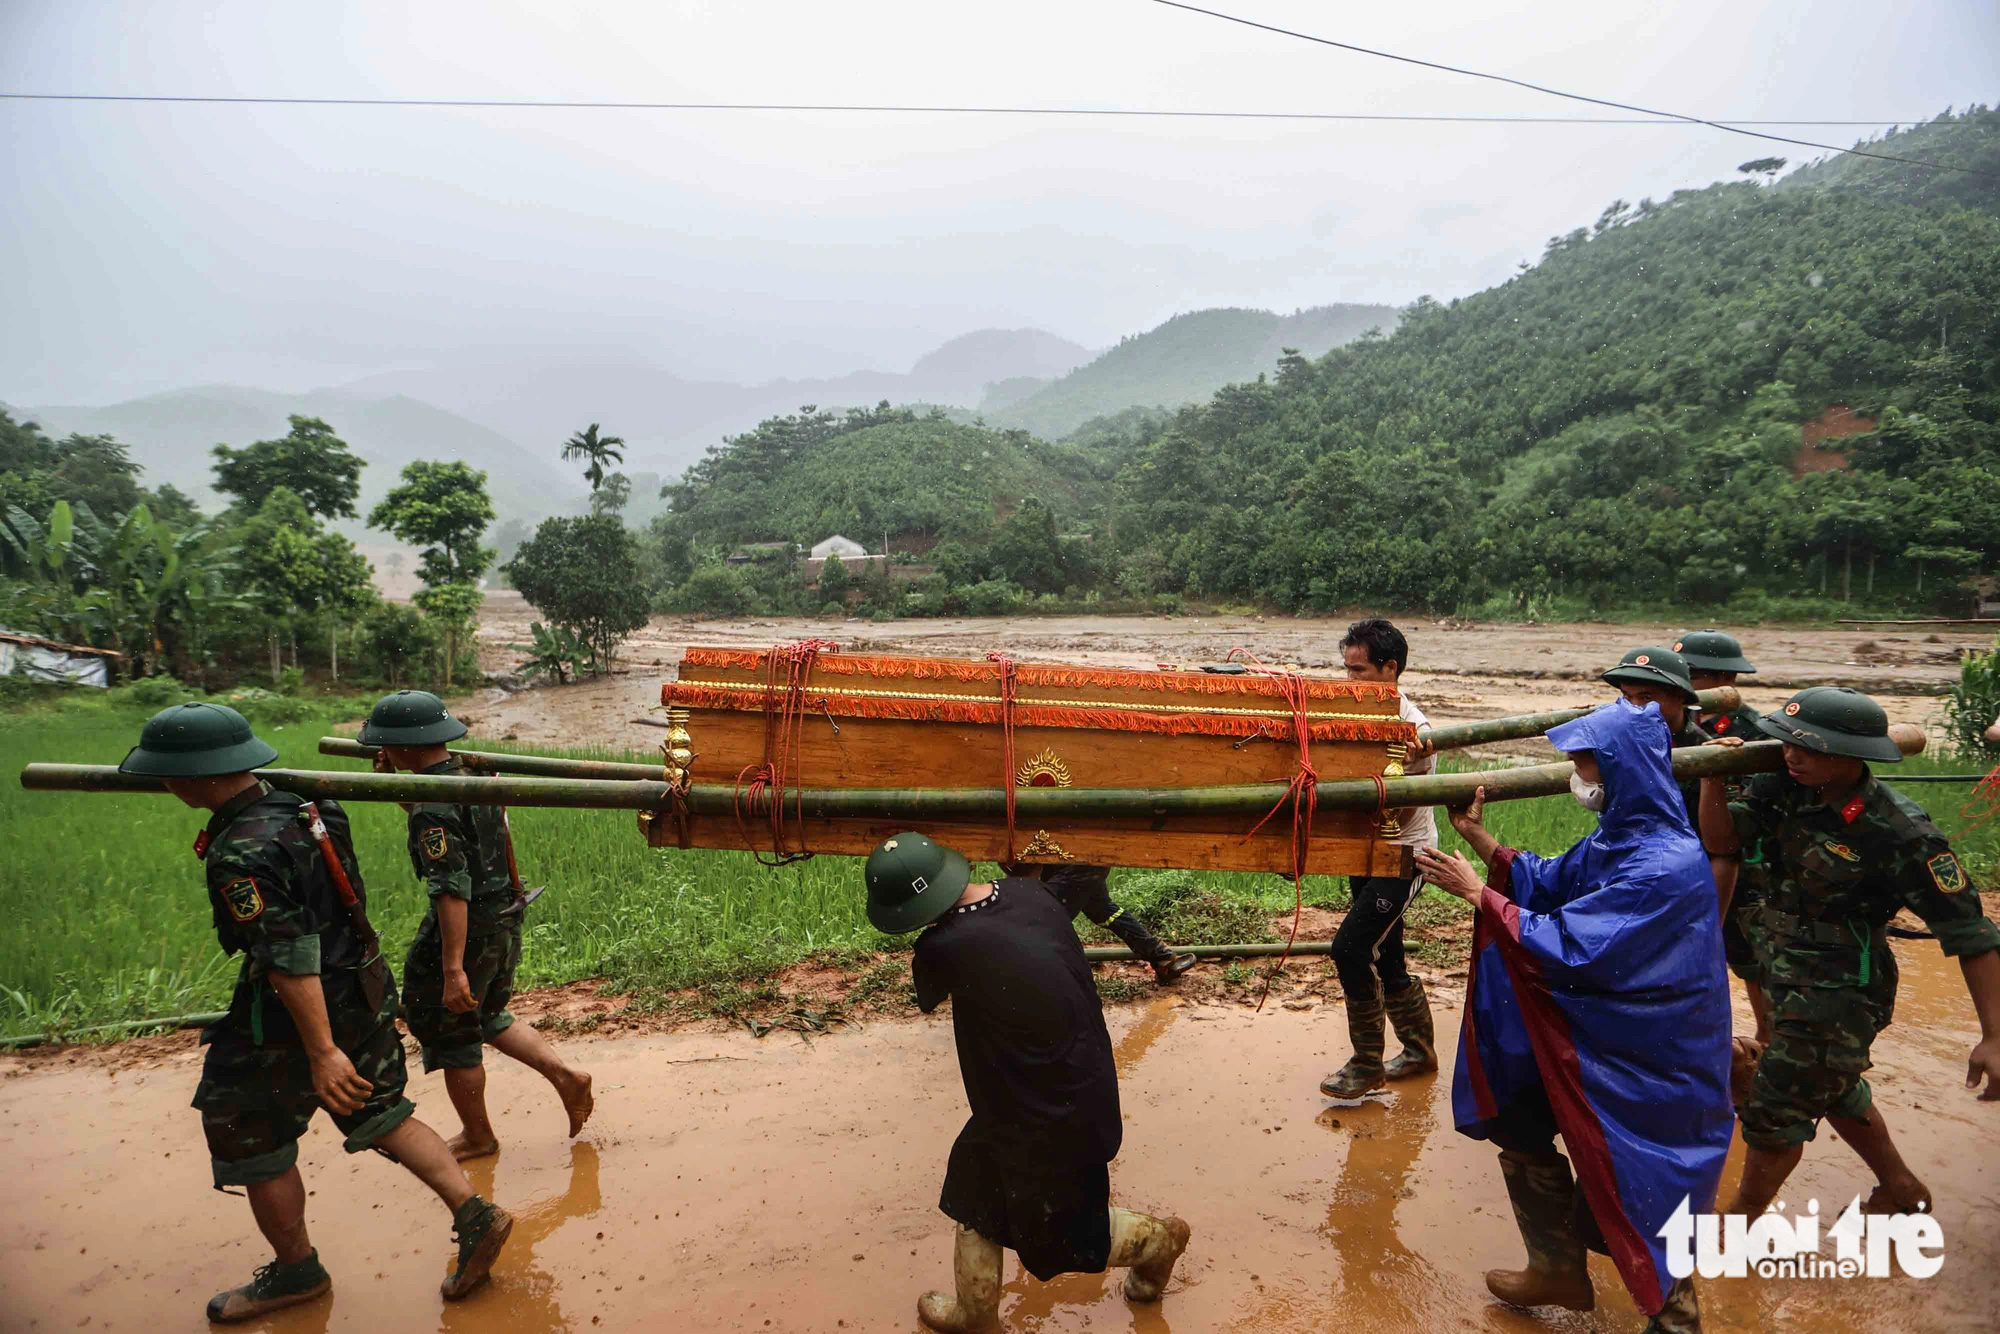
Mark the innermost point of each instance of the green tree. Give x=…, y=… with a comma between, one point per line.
x=595, y=450
x=296, y=570
x=453, y=608
x=310, y=461
x=834, y=581
x=611, y=498
x=583, y=574
x=442, y=508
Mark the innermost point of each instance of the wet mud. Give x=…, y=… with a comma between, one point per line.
x=730, y=1184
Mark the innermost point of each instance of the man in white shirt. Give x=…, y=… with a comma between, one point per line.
x=1369, y=943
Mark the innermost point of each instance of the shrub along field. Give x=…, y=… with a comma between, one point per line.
x=103, y=915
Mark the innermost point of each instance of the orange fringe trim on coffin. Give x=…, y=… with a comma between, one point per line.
x=1109, y=717
x=1034, y=674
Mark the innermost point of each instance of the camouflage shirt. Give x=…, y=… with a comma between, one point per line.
x=462, y=851
x=274, y=903
x=1841, y=872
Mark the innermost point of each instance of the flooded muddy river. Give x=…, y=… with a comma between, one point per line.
x=732, y=1184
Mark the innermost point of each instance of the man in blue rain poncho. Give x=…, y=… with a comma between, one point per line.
x=1598, y=1009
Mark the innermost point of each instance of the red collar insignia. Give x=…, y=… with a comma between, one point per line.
x=1851, y=810
x=201, y=842
x=1722, y=723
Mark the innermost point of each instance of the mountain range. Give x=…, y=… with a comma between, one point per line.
x=509, y=413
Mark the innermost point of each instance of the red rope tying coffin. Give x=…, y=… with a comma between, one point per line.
x=1301, y=794
x=760, y=788
x=1984, y=801
x=1009, y=680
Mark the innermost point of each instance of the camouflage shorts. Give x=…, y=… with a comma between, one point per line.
x=1813, y=1067
x=453, y=1041
x=255, y=1102
x=1745, y=941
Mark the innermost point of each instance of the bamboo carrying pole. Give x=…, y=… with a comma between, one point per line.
x=501, y=762
x=1517, y=726
x=943, y=805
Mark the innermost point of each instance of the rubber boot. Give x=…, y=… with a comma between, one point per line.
x=1167, y=965
x=272, y=1287
x=1150, y=1246
x=975, y=1271
x=480, y=1229
x=1364, y=1029
x=1543, y=1195
x=1681, y=1314
x=1410, y=1013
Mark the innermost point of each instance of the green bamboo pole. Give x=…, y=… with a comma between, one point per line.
x=915, y=805
x=500, y=762
x=1114, y=953
x=1516, y=726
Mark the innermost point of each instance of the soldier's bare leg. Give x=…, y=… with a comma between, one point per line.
x=279, y=1206
x=417, y=1147
x=525, y=1044
x=467, y=1087
x=1900, y=1191
x=1764, y=1174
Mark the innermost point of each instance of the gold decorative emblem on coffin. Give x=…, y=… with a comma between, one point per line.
x=818, y=718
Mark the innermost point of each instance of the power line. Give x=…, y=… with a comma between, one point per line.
x=1731, y=127
x=545, y=104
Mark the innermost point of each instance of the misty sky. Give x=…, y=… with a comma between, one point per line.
x=144, y=247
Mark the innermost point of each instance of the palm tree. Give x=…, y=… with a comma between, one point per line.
x=599, y=450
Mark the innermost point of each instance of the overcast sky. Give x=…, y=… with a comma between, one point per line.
x=145, y=246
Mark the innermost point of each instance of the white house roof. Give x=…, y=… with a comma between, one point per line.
x=838, y=546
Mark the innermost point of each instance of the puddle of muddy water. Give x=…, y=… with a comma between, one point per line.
x=728, y=1184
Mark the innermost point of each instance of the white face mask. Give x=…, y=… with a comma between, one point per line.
x=1590, y=796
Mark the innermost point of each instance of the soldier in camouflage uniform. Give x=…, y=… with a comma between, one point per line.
x=1852, y=851
x=1716, y=660
x=459, y=975
x=312, y=1021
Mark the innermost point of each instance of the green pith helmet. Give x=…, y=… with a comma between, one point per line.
x=410, y=718
x=912, y=882
x=196, y=740
x=1653, y=667
x=1834, y=720
x=1713, y=651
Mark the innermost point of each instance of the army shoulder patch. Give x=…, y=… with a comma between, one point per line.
x=435, y=843
x=246, y=903
x=1946, y=873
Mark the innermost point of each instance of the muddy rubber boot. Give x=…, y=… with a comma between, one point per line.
x=1681, y=1314
x=1150, y=1246
x=975, y=1271
x=480, y=1229
x=272, y=1287
x=1364, y=1029
x=1410, y=1014
x=1543, y=1194
x=1139, y=938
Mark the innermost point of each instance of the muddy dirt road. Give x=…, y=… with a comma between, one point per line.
x=1459, y=671
x=731, y=1184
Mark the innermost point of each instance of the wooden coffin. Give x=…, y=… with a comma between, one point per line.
x=831, y=719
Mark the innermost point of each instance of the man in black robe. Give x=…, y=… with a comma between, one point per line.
x=1030, y=1169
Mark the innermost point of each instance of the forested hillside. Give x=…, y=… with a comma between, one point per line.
x=1621, y=421
x=1182, y=361
x=861, y=473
